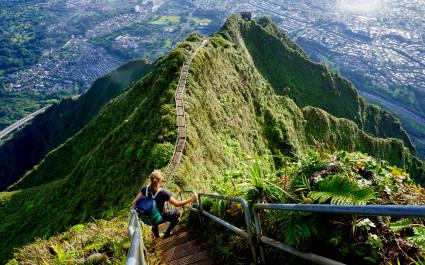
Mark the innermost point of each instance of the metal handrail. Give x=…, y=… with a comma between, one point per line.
x=246, y=234
x=136, y=254
x=367, y=210
x=186, y=206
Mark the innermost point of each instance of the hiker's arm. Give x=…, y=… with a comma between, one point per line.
x=182, y=203
x=138, y=196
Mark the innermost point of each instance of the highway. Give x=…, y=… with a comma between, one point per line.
x=21, y=122
x=394, y=108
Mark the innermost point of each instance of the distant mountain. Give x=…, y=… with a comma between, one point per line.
x=61, y=121
x=251, y=92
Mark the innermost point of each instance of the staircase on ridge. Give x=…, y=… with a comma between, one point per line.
x=181, y=122
x=179, y=249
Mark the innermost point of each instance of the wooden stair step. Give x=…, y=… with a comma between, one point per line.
x=172, y=241
x=163, y=227
x=177, y=157
x=191, y=259
x=180, y=121
x=180, y=251
x=171, y=244
x=173, y=237
x=180, y=144
x=207, y=261
x=182, y=132
x=180, y=111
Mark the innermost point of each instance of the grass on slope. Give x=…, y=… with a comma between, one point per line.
x=343, y=134
x=234, y=113
x=97, y=171
x=92, y=243
x=52, y=128
x=289, y=71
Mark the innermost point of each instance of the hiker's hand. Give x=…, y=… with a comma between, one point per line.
x=194, y=198
x=133, y=205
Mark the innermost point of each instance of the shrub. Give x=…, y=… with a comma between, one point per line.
x=159, y=155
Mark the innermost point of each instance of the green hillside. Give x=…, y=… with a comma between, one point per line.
x=94, y=173
x=50, y=129
x=237, y=108
x=312, y=84
x=232, y=102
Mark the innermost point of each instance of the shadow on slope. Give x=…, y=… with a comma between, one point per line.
x=52, y=128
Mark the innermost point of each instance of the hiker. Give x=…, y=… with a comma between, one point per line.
x=161, y=195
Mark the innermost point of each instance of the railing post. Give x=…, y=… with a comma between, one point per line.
x=247, y=217
x=201, y=209
x=249, y=229
x=258, y=235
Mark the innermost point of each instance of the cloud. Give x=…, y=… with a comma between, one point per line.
x=360, y=6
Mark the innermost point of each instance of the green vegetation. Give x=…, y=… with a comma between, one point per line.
x=166, y=20
x=408, y=97
x=311, y=84
x=336, y=178
x=235, y=110
x=231, y=103
x=201, y=20
x=416, y=131
x=168, y=43
x=344, y=134
x=91, y=243
x=61, y=121
x=22, y=34
x=340, y=190
x=16, y=105
x=96, y=172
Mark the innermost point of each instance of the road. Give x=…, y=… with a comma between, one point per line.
x=394, y=108
x=21, y=122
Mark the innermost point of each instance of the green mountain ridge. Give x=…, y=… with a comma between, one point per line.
x=61, y=121
x=237, y=107
x=314, y=84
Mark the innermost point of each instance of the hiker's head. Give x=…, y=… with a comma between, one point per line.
x=156, y=178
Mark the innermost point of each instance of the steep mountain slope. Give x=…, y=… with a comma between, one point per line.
x=96, y=171
x=233, y=113
x=231, y=102
x=50, y=129
x=312, y=84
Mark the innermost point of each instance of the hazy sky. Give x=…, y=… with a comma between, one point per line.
x=361, y=6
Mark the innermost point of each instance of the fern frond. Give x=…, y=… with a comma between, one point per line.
x=340, y=190
x=400, y=224
x=419, y=238
x=297, y=229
